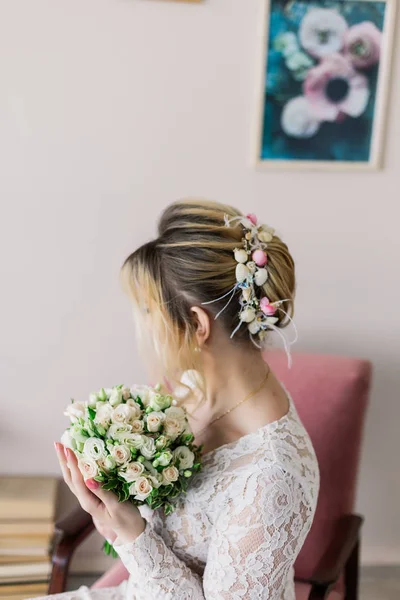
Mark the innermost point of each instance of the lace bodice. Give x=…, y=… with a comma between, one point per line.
x=238, y=530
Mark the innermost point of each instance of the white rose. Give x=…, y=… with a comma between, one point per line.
x=94, y=448
x=76, y=433
x=160, y=402
x=170, y=474
x=126, y=394
x=156, y=480
x=155, y=420
x=67, y=440
x=103, y=414
x=123, y=414
x=141, y=488
x=107, y=464
x=137, y=426
x=117, y=431
x=115, y=397
x=87, y=467
x=144, y=392
x=148, y=448
x=135, y=440
x=185, y=457
x=121, y=454
x=165, y=458
x=173, y=427
x=93, y=400
x=131, y=471
x=75, y=411
x=161, y=442
x=136, y=410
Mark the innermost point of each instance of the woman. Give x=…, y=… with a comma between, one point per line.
x=209, y=289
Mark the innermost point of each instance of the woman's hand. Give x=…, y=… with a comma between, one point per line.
x=117, y=521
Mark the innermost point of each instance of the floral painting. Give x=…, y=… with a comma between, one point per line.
x=321, y=80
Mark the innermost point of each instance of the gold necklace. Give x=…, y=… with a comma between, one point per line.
x=253, y=393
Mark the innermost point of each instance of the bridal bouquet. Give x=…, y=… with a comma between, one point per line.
x=136, y=442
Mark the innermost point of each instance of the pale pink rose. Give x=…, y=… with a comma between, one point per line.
x=176, y=412
x=87, y=467
x=362, y=44
x=103, y=414
x=123, y=414
x=333, y=87
x=137, y=426
x=121, y=454
x=107, y=463
x=132, y=471
x=137, y=411
x=141, y=488
x=173, y=427
x=155, y=420
x=126, y=394
x=170, y=474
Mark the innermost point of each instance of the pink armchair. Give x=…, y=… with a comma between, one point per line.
x=331, y=394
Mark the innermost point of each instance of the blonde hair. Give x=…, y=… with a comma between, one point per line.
x=190, y=262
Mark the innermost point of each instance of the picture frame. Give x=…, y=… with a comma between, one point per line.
x=330, y=113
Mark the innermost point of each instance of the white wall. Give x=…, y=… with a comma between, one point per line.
x=110, y=109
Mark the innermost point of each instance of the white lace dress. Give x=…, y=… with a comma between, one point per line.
x=237, y=532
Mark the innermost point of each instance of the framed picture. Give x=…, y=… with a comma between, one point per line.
x=324, y=83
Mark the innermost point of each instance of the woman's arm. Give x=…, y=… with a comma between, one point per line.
x=257, y=533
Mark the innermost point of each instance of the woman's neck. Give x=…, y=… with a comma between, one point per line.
x=230, y=376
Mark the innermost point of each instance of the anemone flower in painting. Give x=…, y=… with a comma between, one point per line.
x=322, y=32
x=334, y=88
x=362, y=45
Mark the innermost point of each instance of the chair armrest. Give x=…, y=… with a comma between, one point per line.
x=70, y=532
x=333, y=561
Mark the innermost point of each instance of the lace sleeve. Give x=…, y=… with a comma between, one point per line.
x=257, y=533
x=257, y=536
x=158, y=572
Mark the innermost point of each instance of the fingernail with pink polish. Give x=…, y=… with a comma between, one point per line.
x=92, y=484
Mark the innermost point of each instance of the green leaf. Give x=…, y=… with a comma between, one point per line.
x=110, y=485
x=109, y=550
x=92, y=413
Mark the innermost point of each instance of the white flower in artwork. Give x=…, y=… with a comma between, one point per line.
x=299, y=63
x=297, y=119
x=322, y=31
x=287, y=43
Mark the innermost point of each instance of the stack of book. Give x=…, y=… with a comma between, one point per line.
x=27, y=513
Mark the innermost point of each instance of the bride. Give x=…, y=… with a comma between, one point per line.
x=206, y=293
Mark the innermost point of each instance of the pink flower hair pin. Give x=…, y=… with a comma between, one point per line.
x=251, y=274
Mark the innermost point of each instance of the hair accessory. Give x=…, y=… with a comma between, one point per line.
x=251, y=274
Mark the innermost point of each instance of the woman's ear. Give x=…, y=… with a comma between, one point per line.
x=203, y=325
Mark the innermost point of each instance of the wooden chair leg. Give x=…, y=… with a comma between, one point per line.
x=351, y=574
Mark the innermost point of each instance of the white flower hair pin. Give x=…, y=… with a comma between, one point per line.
x=251, y=274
